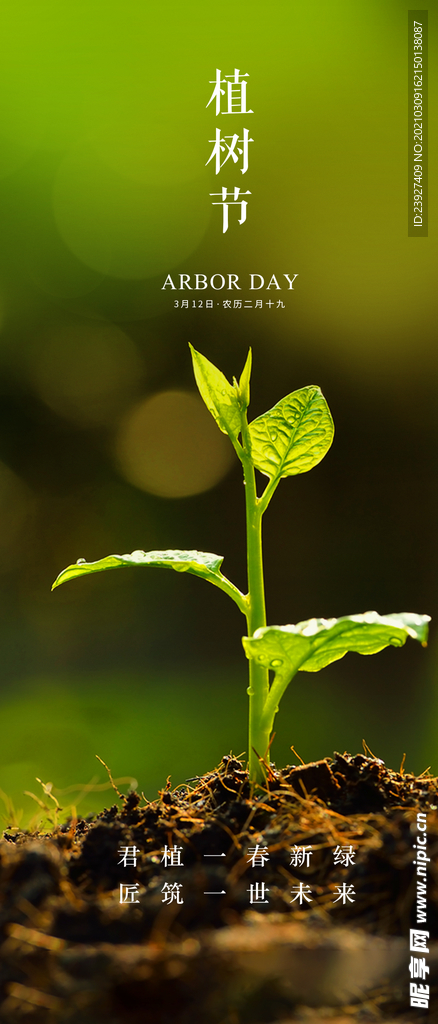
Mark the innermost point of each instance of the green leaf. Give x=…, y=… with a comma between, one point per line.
x=219, y=396
x=277, y=647
x=309, y=646
x=243, y=385
x=293, y=436
x=199, y=563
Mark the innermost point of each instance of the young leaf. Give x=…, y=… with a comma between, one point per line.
x=243, y=385
x=200, y=563
x=310, y=645
x=219, y=396
x=293, y=436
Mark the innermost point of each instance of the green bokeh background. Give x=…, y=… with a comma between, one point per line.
x=104, y=136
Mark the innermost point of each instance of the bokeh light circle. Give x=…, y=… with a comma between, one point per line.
x=16, y=506
x=158, y=156
x=122, y=227
x=87, y=372
x=169, y=445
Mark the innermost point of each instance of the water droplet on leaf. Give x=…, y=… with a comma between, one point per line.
x=276, y=662
x=250, y=690
x=81, y=561
x=273, y=436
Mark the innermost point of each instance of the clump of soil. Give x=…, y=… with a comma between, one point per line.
x=198, y=950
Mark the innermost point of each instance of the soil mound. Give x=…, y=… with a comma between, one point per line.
x=219, y=904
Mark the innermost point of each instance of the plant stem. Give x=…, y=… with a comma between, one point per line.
x=256, y=614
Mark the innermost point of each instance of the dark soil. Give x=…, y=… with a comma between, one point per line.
x=71, y=951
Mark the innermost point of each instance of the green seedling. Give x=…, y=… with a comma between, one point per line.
x=287, y=440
